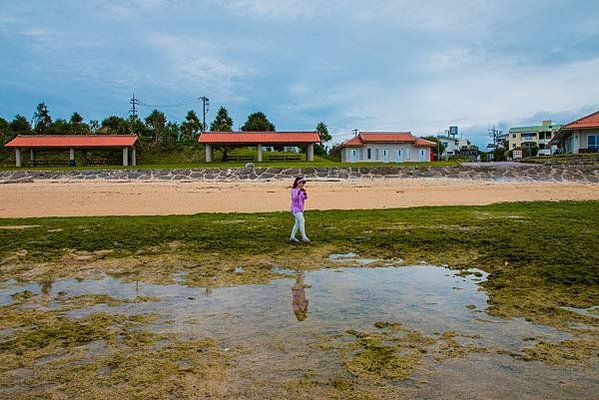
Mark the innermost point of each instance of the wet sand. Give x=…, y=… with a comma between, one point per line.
x=85, y=198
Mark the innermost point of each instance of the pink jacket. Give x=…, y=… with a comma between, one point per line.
x=297, y=200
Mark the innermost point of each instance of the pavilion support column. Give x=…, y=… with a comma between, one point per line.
x=310, y=152
x=260, y=153
x=32, y=157
x=133, y=156
x=208, y=150
x=84, y=157
x=18, y=157
x=72, y=158
x=125, y=156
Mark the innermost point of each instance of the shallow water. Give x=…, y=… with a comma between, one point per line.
x=282, y=324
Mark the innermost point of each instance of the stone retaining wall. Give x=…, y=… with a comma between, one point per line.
x=578, y=173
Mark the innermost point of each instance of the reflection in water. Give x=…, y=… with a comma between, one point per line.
x=299, y=301
x=47, y=286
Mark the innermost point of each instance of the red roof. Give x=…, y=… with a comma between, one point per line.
x=425, y=143
x=259, y=137
x=386, y=137
x=354, y=142
x=66, y=141
x=590, y=121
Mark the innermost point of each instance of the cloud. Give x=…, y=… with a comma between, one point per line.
x=197, y=62
x=480, y=97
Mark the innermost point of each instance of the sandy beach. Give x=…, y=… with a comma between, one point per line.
x=85, y=198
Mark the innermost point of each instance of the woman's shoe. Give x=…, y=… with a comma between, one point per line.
x=306, y=240
x=294, y=240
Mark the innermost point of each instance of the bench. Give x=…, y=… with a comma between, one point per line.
x=284, y=157
x=49, y=163
x=97, y=162
x=238, y=158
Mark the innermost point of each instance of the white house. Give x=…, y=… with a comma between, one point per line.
x=453, y=145
x=394, y=147
x=580, y=136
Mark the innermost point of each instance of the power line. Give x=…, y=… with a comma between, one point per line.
x=187, y=103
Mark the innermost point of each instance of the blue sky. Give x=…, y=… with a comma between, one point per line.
x=384, y=65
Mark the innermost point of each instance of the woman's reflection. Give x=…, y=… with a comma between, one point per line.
x=299, y=301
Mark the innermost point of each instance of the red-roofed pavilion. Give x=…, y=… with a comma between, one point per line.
x=74, y=142
x=259, y=139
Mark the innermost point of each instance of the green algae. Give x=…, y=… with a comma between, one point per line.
x=572, y=352
x=98, y=356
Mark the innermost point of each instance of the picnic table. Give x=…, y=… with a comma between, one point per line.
x=238, y=158
x=49, y=163
x=284, y=157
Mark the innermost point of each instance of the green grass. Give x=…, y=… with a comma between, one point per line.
x=540, y=255
x=561, y=238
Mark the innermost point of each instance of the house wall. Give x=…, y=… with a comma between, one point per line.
x=577, y=140
x=409, y=153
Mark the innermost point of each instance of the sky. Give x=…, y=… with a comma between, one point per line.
x=416, y=66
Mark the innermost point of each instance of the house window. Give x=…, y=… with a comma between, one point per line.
x=513, y=136
x=376, y=154
x=369, y=154
x=514, y=146
x=361, y=154
x=593, y=142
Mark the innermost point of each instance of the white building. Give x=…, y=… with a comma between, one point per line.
x=386, y=147
x=580, y=136
x=453, y=145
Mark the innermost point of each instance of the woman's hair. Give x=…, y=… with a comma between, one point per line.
x=297, y=181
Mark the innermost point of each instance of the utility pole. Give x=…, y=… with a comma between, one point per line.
x=494, y=134
x=205, y=104
x=133, y=110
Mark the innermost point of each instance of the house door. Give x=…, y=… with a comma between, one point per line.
x=385, y=155
x=422, y=155
x=353, y=155
x=399, y=156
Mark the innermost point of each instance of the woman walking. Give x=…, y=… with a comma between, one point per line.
x=298, y=196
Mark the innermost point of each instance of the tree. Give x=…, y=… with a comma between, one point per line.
x=156, y=122
x=5, y=131
x=325, y=136
x=257, y=122
x=439, y=146
x=41, y=119
x=20, y=126
x=59, y=127
x=192, y=126
x=94, y=125
x=222, y=122
x=76, y=118
x=78, y=125
x=115, y=125
x=137, y=127
x=169, y=135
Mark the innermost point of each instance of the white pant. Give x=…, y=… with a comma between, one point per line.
x=299, y=223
